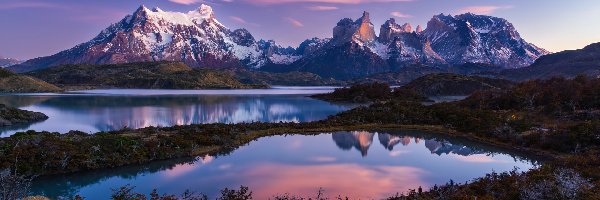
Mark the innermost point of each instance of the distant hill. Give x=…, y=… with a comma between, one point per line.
x=142, y=75
x=401, y=77
x=567, y=64
x=454, y=84
x=410, y=73
x=15, y=83
x=285, y=78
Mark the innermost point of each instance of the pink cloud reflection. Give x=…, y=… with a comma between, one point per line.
x=356, y=181
x=479, y=158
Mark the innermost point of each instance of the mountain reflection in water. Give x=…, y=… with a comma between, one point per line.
x=91, y=113
x=341, y=163
x=362, y=140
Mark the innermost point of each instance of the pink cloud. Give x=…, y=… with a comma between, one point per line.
x=269, y=2
x=400, y=14
x=294, y=22
x=322, y=8
x=242, y=21
x=383, y=181
x=482, y=10
x=185, y=2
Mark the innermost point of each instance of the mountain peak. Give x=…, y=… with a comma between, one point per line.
x=366, y=31
x=407, y=27
x=157, y=9
x=141, y=10
x=206, y=10
x=365, y=18
x=419, y=29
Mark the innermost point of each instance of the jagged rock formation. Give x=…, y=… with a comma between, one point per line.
x=354, y=51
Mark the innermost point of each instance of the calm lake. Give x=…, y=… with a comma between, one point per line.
x=105, y=110
x=359, y=164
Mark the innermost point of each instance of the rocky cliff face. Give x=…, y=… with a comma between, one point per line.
x=345, y=56
x=406, y=47
x=196, y=38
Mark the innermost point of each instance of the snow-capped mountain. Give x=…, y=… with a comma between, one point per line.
x=352, y=52
x=196, y=38
x=6, y=62
x=480, y=39
x=355, y=50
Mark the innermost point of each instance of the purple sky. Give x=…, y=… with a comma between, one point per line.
x=33, y=28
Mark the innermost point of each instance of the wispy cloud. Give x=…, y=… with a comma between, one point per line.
x=400, y=14
x=294, y=22
x=482, y=10
x=18, y=5
x=241, y=20
x=269, y=2
x=322, y=8
x=186, y=2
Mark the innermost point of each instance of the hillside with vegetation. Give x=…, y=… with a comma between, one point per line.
x=285, y=78
x=568, y=64
x=15, y=83
x=454, y=84
x=143, y=75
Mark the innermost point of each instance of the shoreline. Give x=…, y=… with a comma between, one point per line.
x=292, y=129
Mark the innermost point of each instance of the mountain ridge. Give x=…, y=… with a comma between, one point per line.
x=199, y=40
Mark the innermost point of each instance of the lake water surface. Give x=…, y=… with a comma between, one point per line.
x=105, y=110
x=359, y=164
